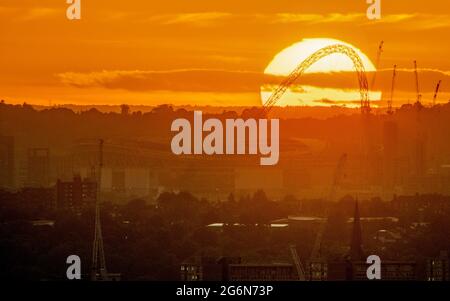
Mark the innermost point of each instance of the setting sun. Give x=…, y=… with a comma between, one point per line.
x=289, y=58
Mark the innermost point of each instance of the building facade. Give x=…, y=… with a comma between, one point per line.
x=437, y=269
x=6, y=162
x=38, y=167
x=232, y=269
x=76, y=194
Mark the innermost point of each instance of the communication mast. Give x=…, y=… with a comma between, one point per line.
x=98, y=272
x=98, y=267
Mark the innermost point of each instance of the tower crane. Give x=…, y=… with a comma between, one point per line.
x=436, y=92
x=394, y=75
x=298, y=263
x=419, y=96
x=380, y=51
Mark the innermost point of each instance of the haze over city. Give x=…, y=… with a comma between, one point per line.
x=224, y=140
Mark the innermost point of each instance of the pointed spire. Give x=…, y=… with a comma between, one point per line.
x=356, y=252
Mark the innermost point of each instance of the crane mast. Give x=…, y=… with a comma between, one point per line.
x=298, y=263
x=394, y=75
x=419, y=96
x=380, y=51
x=436, y=92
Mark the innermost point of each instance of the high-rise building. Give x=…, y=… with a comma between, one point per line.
x=390, y=149
x=76, y=194
x=6, y=162
x=38, y=167
x=199, y=268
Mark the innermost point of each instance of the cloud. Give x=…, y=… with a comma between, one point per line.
x=190, y=80
x=422, y=70
x=203, y=80
x=414, y=21
x=394, y=18
x=410, y=21
x=405, y=80
x=316, y=18
x=326, y=101
x=227, y=59
x=198, y=19
x=208, y=18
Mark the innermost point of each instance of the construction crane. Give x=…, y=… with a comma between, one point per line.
x=337, y=179
x=419, y=96
x=394, y=75
x=298, y=263
x=436, y=92
x=380, y=51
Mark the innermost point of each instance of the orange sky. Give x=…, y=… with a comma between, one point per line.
x=204, y=52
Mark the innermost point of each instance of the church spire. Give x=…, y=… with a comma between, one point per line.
x=356, y=252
